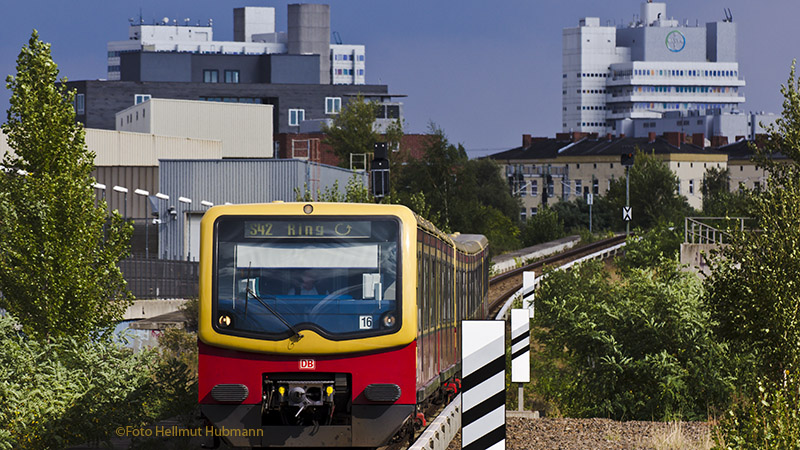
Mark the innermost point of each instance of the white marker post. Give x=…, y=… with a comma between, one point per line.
x=483, y=396
x=520, y=350
x=528, y=287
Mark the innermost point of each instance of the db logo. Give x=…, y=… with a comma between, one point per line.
x=307, y=364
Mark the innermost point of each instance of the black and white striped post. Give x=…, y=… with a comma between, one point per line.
x=520, y=350
x=483, y=397
x=528, y=287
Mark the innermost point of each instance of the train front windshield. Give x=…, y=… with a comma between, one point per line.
x=277, y=277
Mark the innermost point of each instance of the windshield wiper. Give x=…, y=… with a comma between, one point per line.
x=296, y=336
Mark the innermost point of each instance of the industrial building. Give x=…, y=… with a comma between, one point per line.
x=636, y=78
x=215, y=182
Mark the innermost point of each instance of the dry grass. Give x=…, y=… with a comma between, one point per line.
x=673, y=437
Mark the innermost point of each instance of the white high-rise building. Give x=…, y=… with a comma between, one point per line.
x=613, y=75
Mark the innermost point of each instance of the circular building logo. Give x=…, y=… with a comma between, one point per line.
x=676, y=41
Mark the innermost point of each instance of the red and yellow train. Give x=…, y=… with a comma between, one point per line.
x=325, y=324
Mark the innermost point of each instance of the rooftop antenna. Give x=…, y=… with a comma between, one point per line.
x=186, y=21
x=728, y=15
x=337, y=38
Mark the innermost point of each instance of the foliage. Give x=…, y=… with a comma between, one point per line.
x=718, y=200
x=458, y=194
x=651, y=249
x=58, y=250
x=654, y=195
x=544, y=226
x=63, y=392
x=436, y=175
x=636, y=348
x=352, y=130
x=767, y=419
x=754, y=286
x=355, y=192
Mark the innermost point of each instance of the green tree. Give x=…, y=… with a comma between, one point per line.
x=544, y=226
x=718, y=200
x=352, y=130
x=755, y=286
x=437, y=176
x=58, y=250
x=654, y=194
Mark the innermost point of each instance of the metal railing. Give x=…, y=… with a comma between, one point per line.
x=711, y=230
x=161, y=278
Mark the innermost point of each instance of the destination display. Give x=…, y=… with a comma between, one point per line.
x=284, y=229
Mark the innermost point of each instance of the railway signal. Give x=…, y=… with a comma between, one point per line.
x=380, y=171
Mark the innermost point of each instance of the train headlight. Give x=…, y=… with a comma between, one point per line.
x=329, y=390
x=388, y=320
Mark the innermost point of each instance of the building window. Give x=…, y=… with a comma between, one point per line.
x=333, y=105
x=80, y=104
x=140, y=98
x=523, y=190
x=522, y=214
x=534, y=188
x=578, y=187
x=534, y=211
x=595, y=186
x=691, y=187
x=231, y=76
x=210, y=76
x=296, y=116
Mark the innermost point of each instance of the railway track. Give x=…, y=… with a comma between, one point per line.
x=506, y=284
x=501, y=288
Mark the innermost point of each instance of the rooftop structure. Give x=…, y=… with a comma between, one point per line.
x=254, y=34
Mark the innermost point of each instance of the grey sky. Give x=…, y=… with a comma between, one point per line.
x=486, y=72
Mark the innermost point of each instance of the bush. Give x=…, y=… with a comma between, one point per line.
x=64, y=392
x=636, y=348
x=651, y=248
x=768, y=419
x=544, y=226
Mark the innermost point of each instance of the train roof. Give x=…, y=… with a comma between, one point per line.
x=470, y=243
x=467, y=243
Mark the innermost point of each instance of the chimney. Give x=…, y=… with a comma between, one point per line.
x=699, y=139
x=674, y=138
x=622, y=135
x=526, y=140
x=562, y=136
x=651, y=137
x=608, y=136
x=719, y=141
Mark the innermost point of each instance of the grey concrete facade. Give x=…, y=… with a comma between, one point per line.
x=309, y=31
x=191, y=67
x=103, y=99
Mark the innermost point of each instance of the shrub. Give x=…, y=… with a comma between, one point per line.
x=767, y=419
x=637, y=348
x=64, y=392
x=544, y=226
